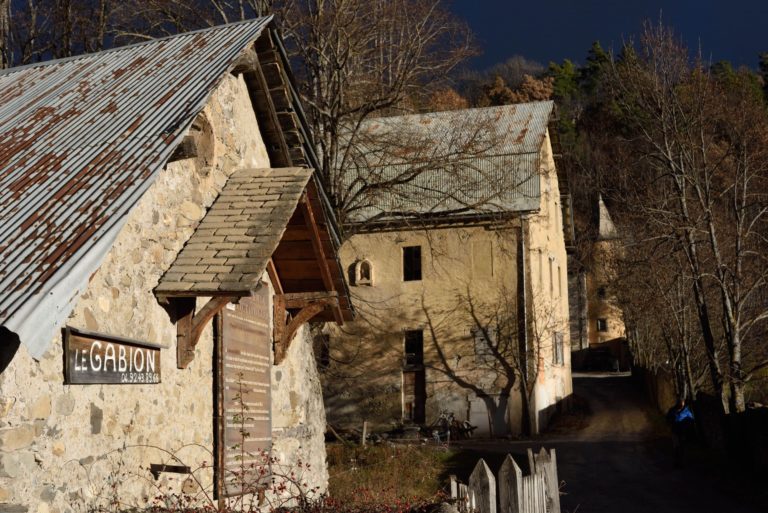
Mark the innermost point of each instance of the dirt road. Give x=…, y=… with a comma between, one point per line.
x=618, y=459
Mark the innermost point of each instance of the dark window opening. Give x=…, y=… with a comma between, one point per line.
x=602, y=325
x=601, y=293
x=414, y=347
x=412, y=263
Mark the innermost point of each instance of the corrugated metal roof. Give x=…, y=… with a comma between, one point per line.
x=472, y=161
x=81, y=140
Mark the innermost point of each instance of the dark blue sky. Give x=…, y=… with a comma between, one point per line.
x=552, y=30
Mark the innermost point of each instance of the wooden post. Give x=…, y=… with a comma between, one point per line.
x=454, y=487
x=546, y=464
x=531, y=464
x=365, y=433
x=482, y=487
x=510, y=487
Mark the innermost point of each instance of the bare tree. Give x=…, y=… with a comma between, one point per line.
x=508, y=352
x=37, y=30
x=701, y=183
x=5, y=33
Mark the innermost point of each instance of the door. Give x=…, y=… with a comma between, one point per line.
x=414, y=396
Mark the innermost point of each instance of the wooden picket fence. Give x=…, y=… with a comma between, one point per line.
x=538, y=492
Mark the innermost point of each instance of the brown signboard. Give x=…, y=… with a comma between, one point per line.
x=91, y=358
x=244, y=405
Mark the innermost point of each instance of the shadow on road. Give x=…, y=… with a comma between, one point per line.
x=619, y=460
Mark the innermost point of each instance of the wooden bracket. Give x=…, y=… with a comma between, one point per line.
x=190, y=325
x=310, y=305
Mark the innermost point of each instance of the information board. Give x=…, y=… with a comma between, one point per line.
x=244, y=382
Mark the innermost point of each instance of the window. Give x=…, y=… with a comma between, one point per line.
x=414, y=347
x=363, y=273
x=601, y=292
x=558, y=357
x=602, y=325
x=484, y=341
x=412, y=263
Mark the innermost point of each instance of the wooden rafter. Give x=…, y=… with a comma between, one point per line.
x=317, y=245
x=258, y=86
x=274, y=277
x=190, y=325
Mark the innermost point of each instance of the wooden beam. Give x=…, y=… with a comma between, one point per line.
x=302, y=299
x=190, y=325
x=286, y=335
x=274, y=278
x=257, y=74
x=317, y=244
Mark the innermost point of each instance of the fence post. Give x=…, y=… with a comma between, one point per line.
x=365, y=433
x=510, y=487
x=482, y=487
x=546, y=463
x=454, y=487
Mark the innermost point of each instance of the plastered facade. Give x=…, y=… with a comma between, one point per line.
x=63, y=446
x=471, y=280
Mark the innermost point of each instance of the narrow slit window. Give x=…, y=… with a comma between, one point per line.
x=412, y=263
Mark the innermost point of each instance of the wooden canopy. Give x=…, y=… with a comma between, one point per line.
x=263, y=219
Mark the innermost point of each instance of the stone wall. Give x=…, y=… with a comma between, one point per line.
x=62, y=445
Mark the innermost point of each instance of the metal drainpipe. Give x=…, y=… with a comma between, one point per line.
x=522, y=313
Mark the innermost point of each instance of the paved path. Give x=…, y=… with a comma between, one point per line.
x=618, y=460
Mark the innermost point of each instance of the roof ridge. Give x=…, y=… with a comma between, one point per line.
x=40, y=64
x=456, y=111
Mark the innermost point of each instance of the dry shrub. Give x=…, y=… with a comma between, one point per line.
x=386, y=477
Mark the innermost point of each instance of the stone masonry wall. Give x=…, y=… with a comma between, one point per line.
x=61, y=446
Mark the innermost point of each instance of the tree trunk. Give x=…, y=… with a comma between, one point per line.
x=5, y=34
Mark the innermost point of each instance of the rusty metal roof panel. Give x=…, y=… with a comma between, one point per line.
x=81, y=139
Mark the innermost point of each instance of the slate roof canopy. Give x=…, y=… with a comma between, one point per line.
x=230, y=248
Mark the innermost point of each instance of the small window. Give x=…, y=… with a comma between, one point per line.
x=484, y=342
x=602, y=325
x=412, y=263
x=601, y=293
x=558, y=357
x=414, y=347
x=363, y=273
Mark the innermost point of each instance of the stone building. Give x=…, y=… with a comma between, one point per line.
x=596, y=317
x=164, y=242
x=462, y=294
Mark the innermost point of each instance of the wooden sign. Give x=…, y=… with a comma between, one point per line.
x=244, y=402
x=91, y=358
